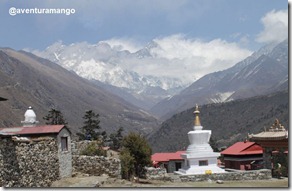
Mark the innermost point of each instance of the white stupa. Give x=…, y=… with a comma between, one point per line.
x=29, y=118
x=199, y=157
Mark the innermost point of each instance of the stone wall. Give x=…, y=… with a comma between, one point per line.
x=97, y=165
x=156, y=173
x=26, y=162
x=263, y=174
x=79, y=146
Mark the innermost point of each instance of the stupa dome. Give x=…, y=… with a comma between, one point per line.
x=29, y=117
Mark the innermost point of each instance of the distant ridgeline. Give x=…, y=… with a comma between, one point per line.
x=230, y=122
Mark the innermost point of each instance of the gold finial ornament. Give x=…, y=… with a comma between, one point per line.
x=197, y=119
x=277, y=126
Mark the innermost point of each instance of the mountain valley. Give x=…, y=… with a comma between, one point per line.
x=28, y=80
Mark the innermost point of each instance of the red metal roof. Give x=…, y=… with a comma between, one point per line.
x=165, y=157
x=46, y=129
x=243, y=148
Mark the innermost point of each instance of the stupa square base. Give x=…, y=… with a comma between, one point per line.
x=203, y=163
x=211, y=169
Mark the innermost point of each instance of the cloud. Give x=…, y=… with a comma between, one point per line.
x=187, y=59
x=174, y=56
x=275, y=27
x=121, y=44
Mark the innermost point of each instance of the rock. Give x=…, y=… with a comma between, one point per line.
x=219, y=181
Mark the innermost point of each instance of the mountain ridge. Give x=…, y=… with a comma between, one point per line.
x=28, y=80
x=239, y=81
x=99, y=63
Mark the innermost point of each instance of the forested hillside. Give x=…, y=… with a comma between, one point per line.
x=230, y=122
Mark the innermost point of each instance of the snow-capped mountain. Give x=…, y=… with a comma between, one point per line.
x=151, y=72
x=101, y=62
x=265, y=71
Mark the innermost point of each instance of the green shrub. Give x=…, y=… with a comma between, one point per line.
x=135, y=155
x=93, y=149
x=127, y=164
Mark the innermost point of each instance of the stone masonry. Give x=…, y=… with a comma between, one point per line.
x=263, y=174
x=94, y=165
x=156, y=174
x=160, y=174
x=97, y=165
x=28, y=163
x=34, y=162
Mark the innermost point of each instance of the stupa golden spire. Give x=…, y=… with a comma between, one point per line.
x=197, y=118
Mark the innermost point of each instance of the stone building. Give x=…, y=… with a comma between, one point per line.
x=34, y=156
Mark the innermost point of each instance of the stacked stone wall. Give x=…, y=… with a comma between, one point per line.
x=78, y=147
x=9, y=173
x=93, y=165
x=97, y=165
x=28, y=163
x=156, y=174
x=264, y=174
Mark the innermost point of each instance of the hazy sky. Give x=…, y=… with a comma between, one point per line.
x=248, y=23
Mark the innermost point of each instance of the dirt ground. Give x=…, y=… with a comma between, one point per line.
x=105, y=181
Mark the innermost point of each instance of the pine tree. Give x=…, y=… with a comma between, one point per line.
x=138, y=149
x=116, y=139
x=55, y=117
x=91, y=126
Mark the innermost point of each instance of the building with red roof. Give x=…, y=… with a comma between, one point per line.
x=243, y=156
x=37, y=130
x=45, y=150
x=170, y=161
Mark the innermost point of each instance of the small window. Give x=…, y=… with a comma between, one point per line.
x=64, y=143
x=203, y=163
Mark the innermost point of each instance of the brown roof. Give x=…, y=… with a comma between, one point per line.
x=275, y=132
x=270, y=135
x=46, y=129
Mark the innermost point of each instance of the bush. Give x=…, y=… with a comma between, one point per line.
x=135, y=155
x=93, y=149
x=127, y=164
